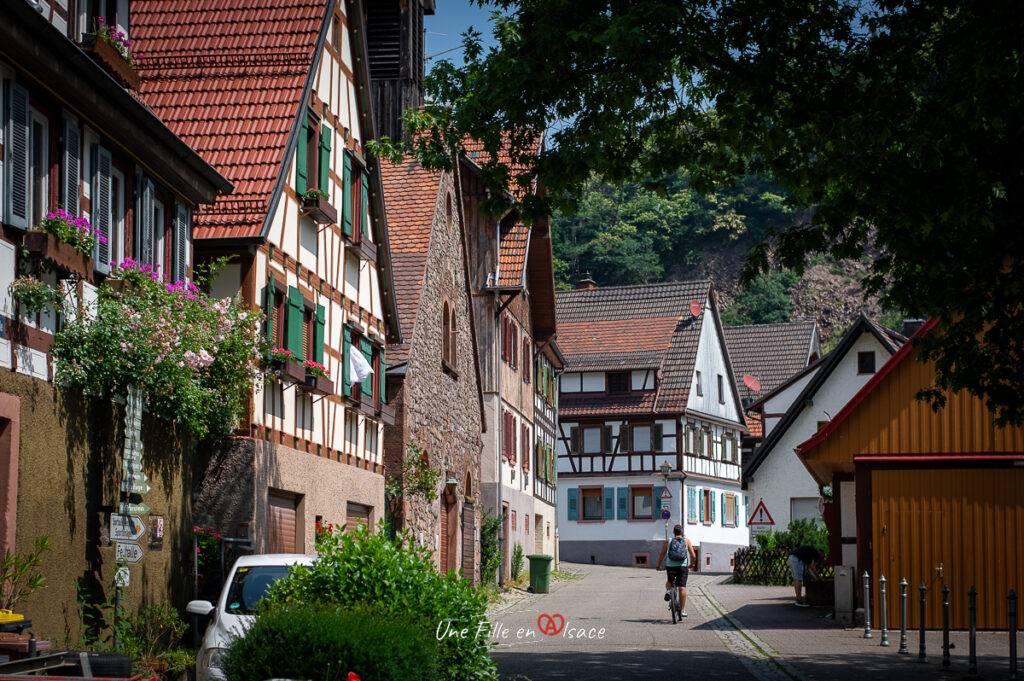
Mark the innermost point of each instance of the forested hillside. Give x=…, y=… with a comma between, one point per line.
x=629, y=235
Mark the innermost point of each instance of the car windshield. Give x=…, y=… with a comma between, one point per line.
x=250, y=585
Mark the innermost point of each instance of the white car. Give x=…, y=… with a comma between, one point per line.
x=247, y=583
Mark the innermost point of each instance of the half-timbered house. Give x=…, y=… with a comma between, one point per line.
x=650, y=425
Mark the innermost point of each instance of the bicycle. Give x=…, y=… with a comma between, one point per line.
x=673, y=605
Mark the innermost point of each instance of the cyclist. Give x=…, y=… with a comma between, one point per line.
x=680, y=555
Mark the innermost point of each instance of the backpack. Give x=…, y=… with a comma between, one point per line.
x=677, y=550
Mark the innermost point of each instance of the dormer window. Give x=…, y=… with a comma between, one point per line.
x=618, y=383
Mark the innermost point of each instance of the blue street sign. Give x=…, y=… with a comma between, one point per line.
x=666, y=514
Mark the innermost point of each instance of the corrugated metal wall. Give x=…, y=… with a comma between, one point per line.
x=969, y=521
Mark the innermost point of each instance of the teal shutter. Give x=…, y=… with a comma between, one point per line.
x=624, y=433
x=656, y=501
x=364, y=197
x=324, y=168
x=609, y=503
x=320, y=339
x=691, y=504
x=700, y=497
x=574, y=501
x=346, y=196
x=365, y=347
x=296, y=308
x=346, y=349
x=16, y=156
x=712, y=500
x=736, y=511
x=657, y=437
x=300, y=158
x=623, y=496
x=382, y=383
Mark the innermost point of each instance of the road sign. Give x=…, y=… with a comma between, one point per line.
x=760, y=515
x=136, y=476
x=665, y=494
x=126, y=527
x=133, y=509
x=137, y=487
x=122, y=577
x=666, y=514
x=821, y=505
x=666, y=503
x=127, y=552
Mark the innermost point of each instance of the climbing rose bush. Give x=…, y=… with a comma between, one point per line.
x=196, y=358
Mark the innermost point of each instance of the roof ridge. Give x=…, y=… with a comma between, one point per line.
x=632, y=286
x=750, y=326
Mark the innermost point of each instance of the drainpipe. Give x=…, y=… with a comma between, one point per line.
x=501, y=426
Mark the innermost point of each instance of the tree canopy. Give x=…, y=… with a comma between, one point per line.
x=897, y=121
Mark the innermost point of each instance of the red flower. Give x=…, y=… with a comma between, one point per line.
x=352, y=676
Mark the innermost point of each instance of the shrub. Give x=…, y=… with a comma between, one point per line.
x=800, y=532
x=517, y=561
x=324, y=643
x=22, y=573
x=397, y=579
x=490, y=549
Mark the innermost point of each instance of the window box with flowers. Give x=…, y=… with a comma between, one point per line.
x=284, y=367
x=65, y=241
x=317, y=380
x=112, y=48
x=316, y=205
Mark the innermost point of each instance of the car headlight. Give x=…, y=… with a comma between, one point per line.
x=214, y=658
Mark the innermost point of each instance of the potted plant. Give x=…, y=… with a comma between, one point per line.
x=318, y=378
x=35, y=296
x=315, y=203
x=282, y=364
x=112, y=48
x=64, y=240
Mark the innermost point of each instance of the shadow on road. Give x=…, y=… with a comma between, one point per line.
x=619, y=665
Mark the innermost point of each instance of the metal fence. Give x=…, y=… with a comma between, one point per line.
x=752, y=565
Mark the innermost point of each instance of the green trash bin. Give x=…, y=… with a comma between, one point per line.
x=540, y=572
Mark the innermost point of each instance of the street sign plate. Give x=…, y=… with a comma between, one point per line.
x=133, y=509
x=126, y=527
x=122, y=577
x=761, y=516
x=137, y=476
x=666, y=503
x=137, y=487
x=665, y=494
x=127, y=552
x=666, y=514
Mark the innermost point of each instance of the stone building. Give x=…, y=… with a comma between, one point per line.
x=433, y=376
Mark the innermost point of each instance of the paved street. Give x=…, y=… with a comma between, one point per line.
x=732, y=632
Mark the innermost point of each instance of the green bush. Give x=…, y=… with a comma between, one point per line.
x=799, y=533
x=490, y=549
x=397, y=579
x=517, y=561
x=322, y=643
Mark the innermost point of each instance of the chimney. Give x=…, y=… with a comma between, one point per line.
x=586, y=283
x=910, y=326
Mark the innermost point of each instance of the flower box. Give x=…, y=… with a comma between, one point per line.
x=318, y=385
x=367, y=250
x=107, y=55
x=367, y=405
x=320, y=209
x=289, y=370
x=63, y=255
x=387, y=414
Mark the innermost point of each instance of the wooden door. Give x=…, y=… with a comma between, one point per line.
x=357, y=515
x=968, y=522
x=281, y=535
x=445, y=513
x=468, y=542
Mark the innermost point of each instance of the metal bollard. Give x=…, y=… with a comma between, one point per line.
x=883, y=612
x=903, y=617
x=1011, y=607
x=32, y=645
x=972, y=611
x=867, y=605
x=946, y=662
x=921, y=657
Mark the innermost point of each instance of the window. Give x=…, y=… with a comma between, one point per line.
x=641, y=503
x=700, y=385
x=114, y=12
x=618, y=383
x=312, y=142
x=526, y=446
x=509, y=341
x=352, y=428
x=308, y=334
x=729, y=510
x=159, y=240
x=549, y=530
x=707, y=506
x=721, y=389
x=526, y=359
x=592, y=440
x=118, y=226
x=39, y=167
x=641, y=439
x=509, y=436
x=513, y=521
x=865, y=362
x=371, y=438
x=526, y=522
x=593, y=507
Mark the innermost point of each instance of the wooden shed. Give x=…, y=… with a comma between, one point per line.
x=931, y=496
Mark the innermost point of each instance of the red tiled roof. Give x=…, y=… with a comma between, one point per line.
x=755, y=426
x=512, y=255
x=607, y=336
x=227, y=77
x=476, y=153
x=410, y=199
x=583, y=406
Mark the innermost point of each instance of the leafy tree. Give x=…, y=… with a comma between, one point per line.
x=765, y=301
x=895, y=120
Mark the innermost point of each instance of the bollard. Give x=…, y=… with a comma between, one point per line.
x=921, y=657
x=946, y=662
x=903, y=617
x=867, y=605
x=1011, y=606
x=883, y=612
x=972, y=610
x=32, y=645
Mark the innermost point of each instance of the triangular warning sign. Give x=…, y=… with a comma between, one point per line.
x=665, y=494
x=761, y=515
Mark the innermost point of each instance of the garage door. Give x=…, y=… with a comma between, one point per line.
x=960, y=527
x=281, y=524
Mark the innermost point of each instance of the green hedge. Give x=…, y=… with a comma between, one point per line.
x=325, y=644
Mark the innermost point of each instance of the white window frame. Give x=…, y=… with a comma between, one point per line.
x=42, y=189
x=118, y=219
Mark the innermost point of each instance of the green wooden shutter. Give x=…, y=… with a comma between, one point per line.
x=574, y=503
x=364, y=198
x=324, y=168
x=623, y=497
x=346, y=197
x=606, y=439
x=574, y=440
x=268, y=309
x=625, y=431
x=657, y=437
x=300, y=158
x=382, y=397
x=296, y=310
x=700, y=497
x=16, y=156
x=609, y=503
x=366, y=347
x=320, y=340
x=712, y=501
x=346, y=349
x=656, y=501
x=691, y=504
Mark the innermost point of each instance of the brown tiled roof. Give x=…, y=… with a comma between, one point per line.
x=513, y=255
x=410, y=198
x=478, y=156
x=755, y=426
x=585, y=406
x=227, y=77
x=605, y=321
x=771, y=353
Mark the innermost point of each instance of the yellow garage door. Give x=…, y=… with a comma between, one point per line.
x=960, y=527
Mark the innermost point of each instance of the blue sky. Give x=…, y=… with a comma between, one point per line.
x=445, y=28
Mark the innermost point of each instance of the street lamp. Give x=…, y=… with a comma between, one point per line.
x=665, y=469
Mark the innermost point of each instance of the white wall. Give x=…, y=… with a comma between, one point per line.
x=711, y=364
x=775, y=407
